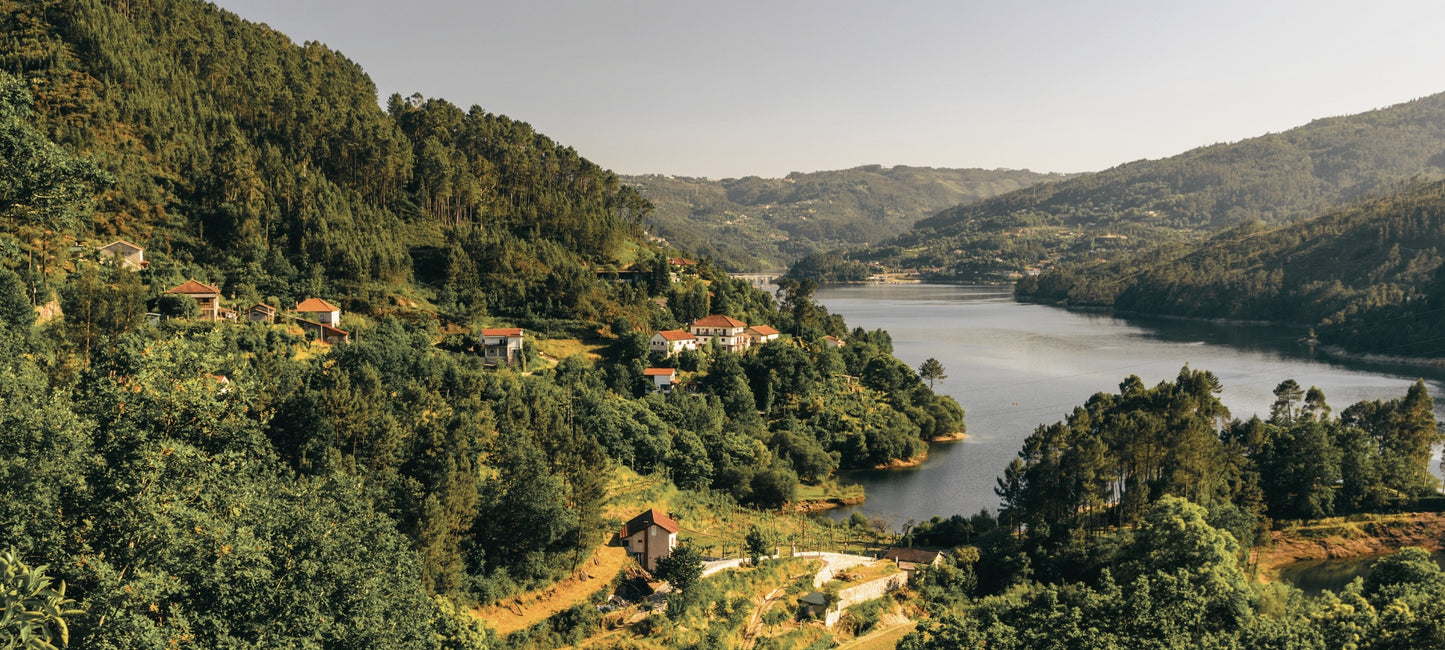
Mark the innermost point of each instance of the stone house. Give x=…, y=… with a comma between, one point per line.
x=131, y=256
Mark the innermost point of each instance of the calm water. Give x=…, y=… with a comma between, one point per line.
x=1315, y=576
x=1015, y=366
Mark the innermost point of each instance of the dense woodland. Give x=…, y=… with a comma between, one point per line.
x=1276, y=179
x=235, y=485
x=1366, y=278
x=1130, y=524
x=757, y=223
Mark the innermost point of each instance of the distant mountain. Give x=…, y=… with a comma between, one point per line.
x=1275, y=178
x=1367, y=278
x=769, y=222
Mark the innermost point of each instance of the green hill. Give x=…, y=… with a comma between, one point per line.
x=764, y=223
x=1367, y=277
x=268, y=168
x=1275, y=178
x=239, y=483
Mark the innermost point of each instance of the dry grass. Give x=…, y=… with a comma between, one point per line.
x=884, y=639
x=558, y=349
x=524, y=611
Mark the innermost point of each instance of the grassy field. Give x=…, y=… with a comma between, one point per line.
x=559, y=349
x=524, y=611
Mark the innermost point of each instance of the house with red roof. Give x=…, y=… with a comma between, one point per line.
x=501, y=346
x=648, y=537
x=663, y=379
x=761, y=334
x=320, y=311
x=207, y=297
x=666, y=343
x=834, y=342
x=727, y=330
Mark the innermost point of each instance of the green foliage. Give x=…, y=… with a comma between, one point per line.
x=32, y=612
x=1366, y=277
x=756, y=545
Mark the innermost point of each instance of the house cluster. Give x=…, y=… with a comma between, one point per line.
x=320, y=320
x=732, y=335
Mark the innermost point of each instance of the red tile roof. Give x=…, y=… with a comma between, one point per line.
x=653, y=372
x=718, y=320
x=503, y=331
x=763, y=330
x=263, y=307
x=192, y=287
x=680, y=261
x=650, y=517
x=675, y=335
x=312, y=305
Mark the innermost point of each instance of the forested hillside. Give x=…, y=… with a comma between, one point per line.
x=1368, y=277
x=1275, y=178
x=757, y=223
x=269, y=168
x=235, y=482
x=1138, y=521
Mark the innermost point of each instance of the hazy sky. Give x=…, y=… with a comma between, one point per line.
x=727, y=88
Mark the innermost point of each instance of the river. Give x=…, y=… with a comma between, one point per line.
x=1014, y=366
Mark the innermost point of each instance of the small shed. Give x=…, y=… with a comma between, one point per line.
x=663, y=379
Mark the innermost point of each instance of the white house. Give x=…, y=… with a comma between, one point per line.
x=669, y=342
x=648, y=537
x=834, y=342
x=728, y=330
x=502, y=346
x=662, y=378
x=761, y=334
x=319, y=310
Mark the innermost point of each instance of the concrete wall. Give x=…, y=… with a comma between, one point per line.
x=871, y=589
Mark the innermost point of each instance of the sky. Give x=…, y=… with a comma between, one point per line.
x=737, y=88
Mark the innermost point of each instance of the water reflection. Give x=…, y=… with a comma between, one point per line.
x=1015, y=366
x=1315, y=576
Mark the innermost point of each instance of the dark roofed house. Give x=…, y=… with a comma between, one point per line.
x=261, y=313
x=207, y=297
x=322, y=332
x=909, y=559
x=648, y=537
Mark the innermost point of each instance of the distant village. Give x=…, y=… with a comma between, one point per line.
x=321, y=321
x=317, y=318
